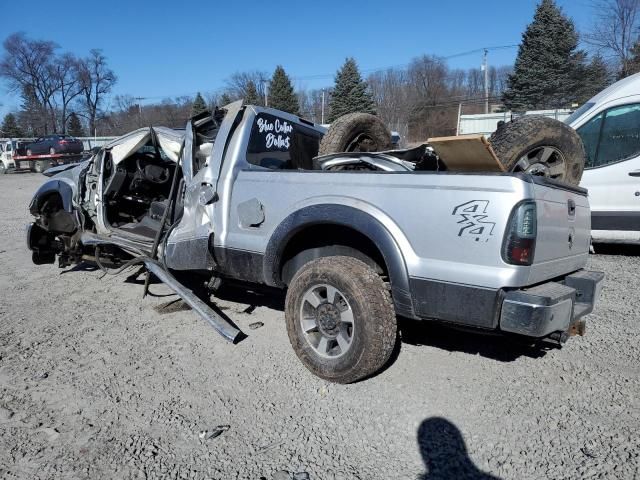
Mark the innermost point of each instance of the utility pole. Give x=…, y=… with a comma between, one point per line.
x=266, y=93
x=322, y=116
x=139, y=99
x=485, y=67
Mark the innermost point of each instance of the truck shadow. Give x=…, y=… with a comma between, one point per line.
x=444, y=452
x=496, y=347
x=617, y=249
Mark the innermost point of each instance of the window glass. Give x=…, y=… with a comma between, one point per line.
x=590, y=134
x=578, y=113
x=620, y=137
x=280, y=144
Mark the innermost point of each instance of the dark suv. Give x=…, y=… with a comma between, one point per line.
x=52, y=144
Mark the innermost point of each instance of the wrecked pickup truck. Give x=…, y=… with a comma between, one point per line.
x=242, y=195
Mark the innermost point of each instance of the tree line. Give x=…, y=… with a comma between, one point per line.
x=55, y=88
x=64, y=93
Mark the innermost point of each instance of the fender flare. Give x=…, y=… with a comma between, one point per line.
x=48, y=188
x=346, y=216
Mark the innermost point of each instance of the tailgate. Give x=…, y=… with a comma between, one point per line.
x=564, y=229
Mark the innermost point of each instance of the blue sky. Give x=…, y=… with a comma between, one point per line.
x=163, y=49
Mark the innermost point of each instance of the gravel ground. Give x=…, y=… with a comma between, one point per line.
x=96, y=382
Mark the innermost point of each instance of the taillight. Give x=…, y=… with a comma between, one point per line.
x=520, y=242
x=62, y=142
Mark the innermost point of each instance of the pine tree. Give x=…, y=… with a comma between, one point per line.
x=633, y=65
x=10, y=128
x=545, y=71
x=74, y=127
x=350, y=93
x=225, y=99
x=281, y=95
x=199, y=105
x=591, y=78
x=251, y=95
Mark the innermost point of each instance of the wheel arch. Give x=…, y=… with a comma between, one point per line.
x=369, y=237
x=48, y=189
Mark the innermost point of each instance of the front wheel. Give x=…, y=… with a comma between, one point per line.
x=340, y=319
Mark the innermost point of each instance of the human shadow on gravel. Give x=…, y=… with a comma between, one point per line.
x=444, y=452
x=497, y=347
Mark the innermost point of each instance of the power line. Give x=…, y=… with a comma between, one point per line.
x=365, y=71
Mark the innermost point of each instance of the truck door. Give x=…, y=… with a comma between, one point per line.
x=612, y=175
x=188, y=243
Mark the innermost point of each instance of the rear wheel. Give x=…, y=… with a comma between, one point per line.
x=40, y=166
x=540, y=146
x=340, y=319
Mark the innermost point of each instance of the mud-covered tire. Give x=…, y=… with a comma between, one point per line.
x=540, y=146
x=374, y=326
x=356, y=132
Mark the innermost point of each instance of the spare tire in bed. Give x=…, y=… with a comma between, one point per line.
x=356, y=132
x=540, y=146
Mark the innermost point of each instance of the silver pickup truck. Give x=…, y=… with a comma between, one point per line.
x=241, y=195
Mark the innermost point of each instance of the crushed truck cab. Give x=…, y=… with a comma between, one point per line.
x=241, y=195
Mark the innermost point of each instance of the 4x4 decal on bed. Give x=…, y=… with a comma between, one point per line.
x=472, y=216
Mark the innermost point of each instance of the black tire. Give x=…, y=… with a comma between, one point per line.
x=373, y=327
x=356, y=132
x=39, y=166
x=540, y=146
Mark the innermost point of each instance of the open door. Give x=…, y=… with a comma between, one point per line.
x=187, y=247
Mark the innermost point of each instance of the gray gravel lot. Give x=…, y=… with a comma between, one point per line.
x=96, y=382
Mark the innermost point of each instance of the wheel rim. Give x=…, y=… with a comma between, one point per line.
x=546, y=161
x=326, y=319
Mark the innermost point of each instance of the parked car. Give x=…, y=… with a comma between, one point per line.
x=609, y=125
x=242, y=197
x=52, y=144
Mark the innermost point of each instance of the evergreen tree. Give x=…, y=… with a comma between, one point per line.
x=281, y=95
x=545, y=71
x=350, y=93
x=74, y=127
x=591, y=78
x=225, y=99
x=10, y=127
x=199, y=105
x=251, y=95
x=634, y=61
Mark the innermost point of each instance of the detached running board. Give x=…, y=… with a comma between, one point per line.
x=222, y=326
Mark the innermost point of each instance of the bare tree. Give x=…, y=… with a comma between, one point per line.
x=26, y=66
x=97, y=80
x=65, y=74
x=615, y=30
x=238, y=82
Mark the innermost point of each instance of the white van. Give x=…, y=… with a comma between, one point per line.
x=609, y=125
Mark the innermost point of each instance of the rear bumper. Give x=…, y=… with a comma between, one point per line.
x=550, y=307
